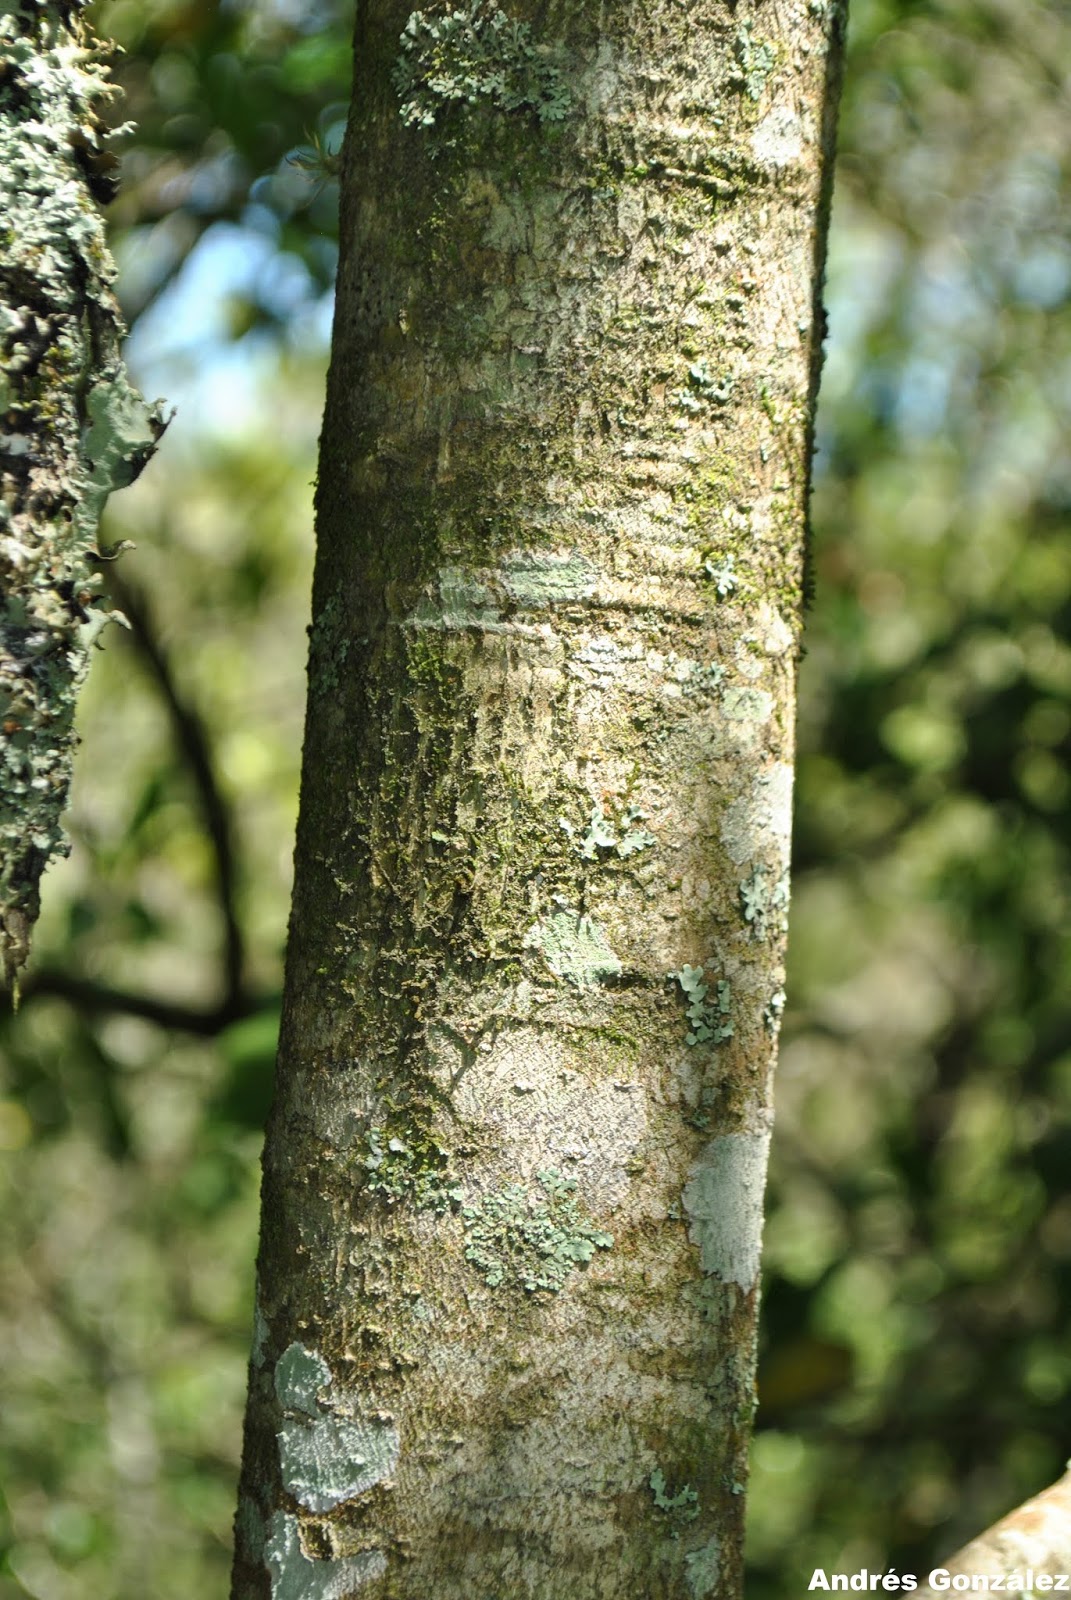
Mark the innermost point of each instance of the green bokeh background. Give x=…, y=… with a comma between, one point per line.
x=916, y=1355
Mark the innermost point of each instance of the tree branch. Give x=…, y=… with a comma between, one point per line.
x=195, y=745
x=92, y=997
x=1036, y=1536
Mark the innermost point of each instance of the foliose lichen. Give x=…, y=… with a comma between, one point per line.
x=757, y=59
x=764, y=902
x=709, y=1021
x=722, y=570
x=74, y=428
x=622, y=834
x=704, y=389
x=412, y=1169
x=512, y=1237
x=472, y=56
x=682, y=1506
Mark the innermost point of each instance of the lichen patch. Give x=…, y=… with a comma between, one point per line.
x=295, y=1576
x=575, y=948
x=723, y=1203
x=332, y=1459
x=300, y=1374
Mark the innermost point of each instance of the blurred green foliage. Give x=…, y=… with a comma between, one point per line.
x=916, y=1372
x=916, y=1362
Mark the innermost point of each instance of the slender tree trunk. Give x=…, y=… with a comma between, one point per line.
x=73, y=429
x=513, y=1178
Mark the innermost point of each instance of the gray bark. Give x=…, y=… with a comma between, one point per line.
x=513, y=1177
x=73, y=428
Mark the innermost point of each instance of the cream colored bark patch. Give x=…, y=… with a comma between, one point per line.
x=759, y=824
x=723, y=1202
x=542, y=1113
x=778, y=139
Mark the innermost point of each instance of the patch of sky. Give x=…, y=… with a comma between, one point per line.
x=182, y=345
x=863, y=264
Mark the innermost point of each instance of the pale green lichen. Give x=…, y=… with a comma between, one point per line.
x=682, y=1506
x=471, y=56
x=764, y=902
x=300, y=1375
x=622, y=834
x=709, y=1021
x=703, y=1569
x=296, y=1576
x=722, y=570
x=757, y=59
x=514, y=1238
x=575, y=948
x=697, y=679
x=413, y=1170
x=742, y=703
x=704, y=389
x=328, y=1460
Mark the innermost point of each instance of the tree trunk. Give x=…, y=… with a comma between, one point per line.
x=73, y=428
x=513, y=1178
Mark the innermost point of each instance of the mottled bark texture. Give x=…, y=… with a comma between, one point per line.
x=1031, y=1541
x=73, y=429
x=513, y=1178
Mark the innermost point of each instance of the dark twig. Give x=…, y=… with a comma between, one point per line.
x=93, y=998
x=195, y=745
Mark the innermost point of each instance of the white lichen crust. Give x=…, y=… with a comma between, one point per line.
x=71, y=427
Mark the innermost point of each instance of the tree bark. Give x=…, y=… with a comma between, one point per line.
x=73, y=427
x=513, y=1177
x=1031, y=1541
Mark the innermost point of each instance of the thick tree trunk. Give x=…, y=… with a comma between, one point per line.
x=73, y=428
x=513, y=1178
